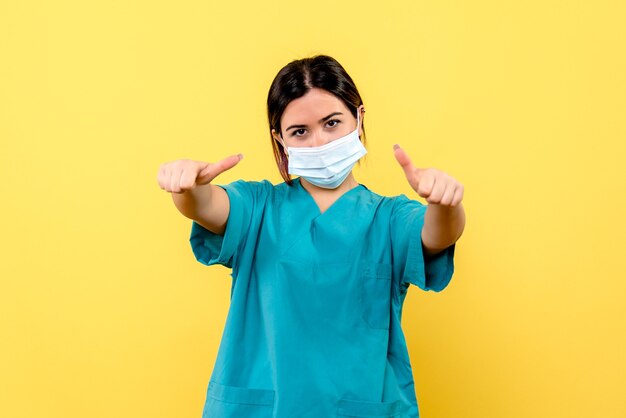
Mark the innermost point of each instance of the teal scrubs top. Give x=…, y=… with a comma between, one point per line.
x=313, y=328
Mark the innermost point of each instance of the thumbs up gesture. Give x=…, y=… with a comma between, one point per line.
x=181, y=175
x=433, y=185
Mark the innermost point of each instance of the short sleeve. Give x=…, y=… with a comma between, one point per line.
x=210, y=248
x=433, y=273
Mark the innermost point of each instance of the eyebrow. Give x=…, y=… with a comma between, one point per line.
x=320, y=121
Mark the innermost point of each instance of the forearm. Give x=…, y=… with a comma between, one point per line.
x=443, y=225
x=190, y=201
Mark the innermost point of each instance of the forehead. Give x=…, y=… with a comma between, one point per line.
x=311, y=107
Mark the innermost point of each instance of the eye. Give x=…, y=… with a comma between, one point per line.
x=295, y=133
x=337, y=122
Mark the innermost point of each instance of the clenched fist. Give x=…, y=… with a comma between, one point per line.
x=433, y=185
x=180, y=175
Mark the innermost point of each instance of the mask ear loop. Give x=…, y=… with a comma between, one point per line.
x=358, y=114
x=282, y=143
x=285, y=154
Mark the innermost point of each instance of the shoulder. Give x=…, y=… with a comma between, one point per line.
x=255, y=190
x=249, y=186
x=393, y=203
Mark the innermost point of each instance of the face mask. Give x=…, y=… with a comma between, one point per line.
x=327, y=166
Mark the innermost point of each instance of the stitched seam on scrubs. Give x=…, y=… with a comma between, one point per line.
x=378, y=281
x=438, y=275
x=354, y=408
x=232, y=236
x=241, y=395
x=242, y=403
x=202, y=247
x=414, y=273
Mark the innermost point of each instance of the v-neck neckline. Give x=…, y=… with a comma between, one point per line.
x=314, y=203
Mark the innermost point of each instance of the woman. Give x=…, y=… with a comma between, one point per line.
x=320, y=264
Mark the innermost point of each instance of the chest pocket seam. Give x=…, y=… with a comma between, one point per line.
x=242, y=395
x=376, y=294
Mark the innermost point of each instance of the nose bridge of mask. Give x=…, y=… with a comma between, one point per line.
x=314, y=159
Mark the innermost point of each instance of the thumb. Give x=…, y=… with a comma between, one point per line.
x=404, y=161
x=212, y=170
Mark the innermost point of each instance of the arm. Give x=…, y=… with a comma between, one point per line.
x=192, y=193
x=207, y=204
x=443, y=226
x=444, y=220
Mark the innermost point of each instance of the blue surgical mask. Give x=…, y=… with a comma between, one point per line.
x=327, y=166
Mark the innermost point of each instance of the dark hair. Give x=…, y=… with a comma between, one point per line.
x=293, y=81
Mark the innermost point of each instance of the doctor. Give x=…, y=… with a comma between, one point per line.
x=320, y=264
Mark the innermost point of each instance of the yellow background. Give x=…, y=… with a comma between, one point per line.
x=104, y=312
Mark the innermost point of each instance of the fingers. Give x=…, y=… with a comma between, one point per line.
x=187, y=178
x=164, y=177
x=211, y=171
x=440, y=188
x=458, y=195
x=180, y=175
x=174, y=177
x=426, y=184
x=446, y=196
x=404, y=161
x=433, y=185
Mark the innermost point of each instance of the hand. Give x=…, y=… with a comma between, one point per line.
x=180, y=175
x=435, y=186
